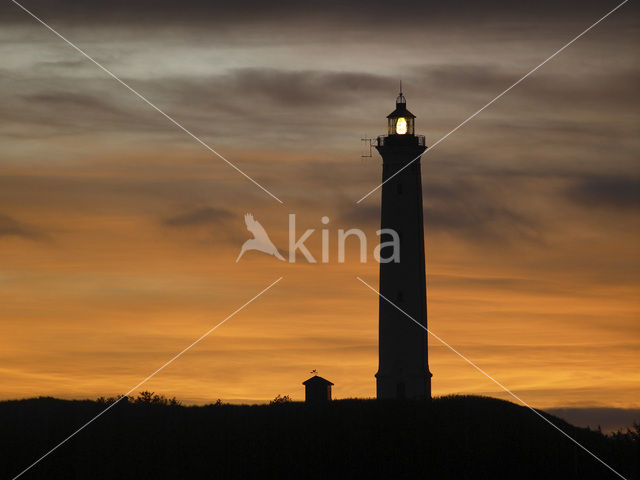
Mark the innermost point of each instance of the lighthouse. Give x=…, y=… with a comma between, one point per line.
x=403, y=368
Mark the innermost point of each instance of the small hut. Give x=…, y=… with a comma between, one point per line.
x=317, y=390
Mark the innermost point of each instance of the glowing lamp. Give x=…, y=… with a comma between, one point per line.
x=401, y=126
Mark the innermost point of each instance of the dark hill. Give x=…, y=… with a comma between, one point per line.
x=452, y=437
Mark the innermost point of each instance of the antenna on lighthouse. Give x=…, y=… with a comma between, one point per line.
x=367, y=145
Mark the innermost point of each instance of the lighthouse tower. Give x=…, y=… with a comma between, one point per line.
x=403, y=369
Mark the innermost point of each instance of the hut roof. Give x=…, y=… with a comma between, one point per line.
x=317, y=380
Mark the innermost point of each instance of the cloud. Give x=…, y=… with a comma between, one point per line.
x=465, y=76
x=225, y=104
x=304, y=102
x=208, y=65
x=11, y=227
x=200, y=216
x=463, y=209
x=364, y=215
x=357, y=13
x=568, y=86
x=209, y=224
x=482, y=221
x=606, y=191
x=307, y=88
x=61, y=99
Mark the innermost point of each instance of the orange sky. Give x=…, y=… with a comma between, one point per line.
x=119, y=234
x=111, y=293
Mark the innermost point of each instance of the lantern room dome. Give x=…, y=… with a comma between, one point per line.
x=401, y=109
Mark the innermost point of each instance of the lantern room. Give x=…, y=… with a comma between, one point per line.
x=401, y=120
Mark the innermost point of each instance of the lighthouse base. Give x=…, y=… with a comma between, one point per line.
x=413, y=387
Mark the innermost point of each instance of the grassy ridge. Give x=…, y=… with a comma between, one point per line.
x=451, y=437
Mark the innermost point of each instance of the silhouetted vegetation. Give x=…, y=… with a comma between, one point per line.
x=278, y=400
x=451, y=437
x=144, y=398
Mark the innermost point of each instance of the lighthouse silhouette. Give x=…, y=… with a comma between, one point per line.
x=403, y=368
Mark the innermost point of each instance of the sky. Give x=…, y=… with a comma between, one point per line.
x=119, y=232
